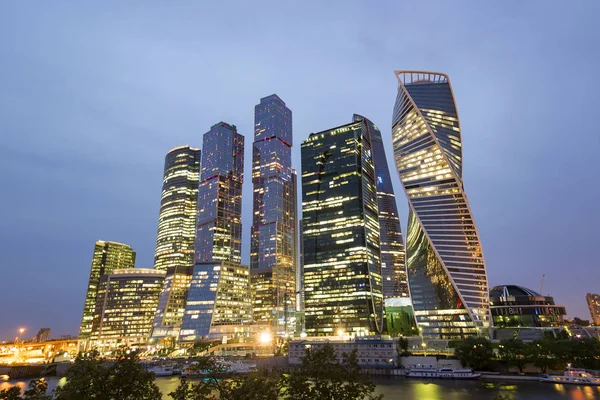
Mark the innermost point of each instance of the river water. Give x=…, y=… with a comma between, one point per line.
x=410, y=389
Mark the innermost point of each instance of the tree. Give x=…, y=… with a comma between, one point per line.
x=321, y=376
x=475, y=352
x=219, y=383
x=37, y=390
x=581, y=322
x=12, y=393
x=543, y=353
x=126, y=379
x=514, y=352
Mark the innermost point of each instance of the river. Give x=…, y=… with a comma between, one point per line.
x=411, y=389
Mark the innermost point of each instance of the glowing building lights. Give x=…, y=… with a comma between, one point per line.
x=175, y=237
x=341, y=278
x=108, y=256
x=273, y=251
x=127, y=300
x=218, y=301
x=446, y=268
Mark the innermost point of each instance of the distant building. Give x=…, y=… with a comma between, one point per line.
x=273, y=253
x=108, y=257
x=127, y=300
x=340, y=233
x=593, y=301
x=445, y=264
x=42, y=335
x=175, y=237
x=219, y=301
x=517, y=306
x=399, y=317
x=372, y=351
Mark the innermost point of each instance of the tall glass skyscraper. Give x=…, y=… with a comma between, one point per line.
x=340, y=232
x=108, y=256
x=178, y=208
x=219, y=294
x=273, y=251
x=393, y=266
x=175, y=237
x=446, y=268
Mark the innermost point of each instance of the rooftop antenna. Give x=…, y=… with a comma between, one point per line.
x=542, y=284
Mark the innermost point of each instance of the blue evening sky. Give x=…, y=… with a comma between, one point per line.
x=93, y=95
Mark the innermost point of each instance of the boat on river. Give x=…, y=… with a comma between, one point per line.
x=573, y=376
x=161, y=370
x=442, y=373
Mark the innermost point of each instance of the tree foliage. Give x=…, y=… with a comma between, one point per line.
x=321, y=376
x=476, y=352
x=36, y=391
x=218, y=383
x=12, y=393
x=88, y=378
x=514, y=352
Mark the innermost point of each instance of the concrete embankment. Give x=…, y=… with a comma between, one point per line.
x=498, y=377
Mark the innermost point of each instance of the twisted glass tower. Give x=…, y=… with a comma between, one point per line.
x=446, y=268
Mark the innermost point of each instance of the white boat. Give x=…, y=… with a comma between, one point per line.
x=442, y=373
x=238, y=367
x=161, y=370
x=574, y=376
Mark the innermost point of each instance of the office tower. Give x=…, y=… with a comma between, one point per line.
x=593, y=301
x=340, y=233
x=127, y=299
x=175, y=237
x=108, y=256
x=178, y=208
x=273, y=248
x=517, y=306
x=446, y=268
x=216, y=304
x=393, y=268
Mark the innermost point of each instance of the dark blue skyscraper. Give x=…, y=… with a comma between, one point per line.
x=219, y=297
x=273, y=249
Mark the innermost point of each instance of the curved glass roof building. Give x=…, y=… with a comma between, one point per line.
x=446, y=269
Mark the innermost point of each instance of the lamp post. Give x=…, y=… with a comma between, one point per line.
x=20, y=348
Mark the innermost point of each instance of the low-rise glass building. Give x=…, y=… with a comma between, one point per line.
x=517, y=306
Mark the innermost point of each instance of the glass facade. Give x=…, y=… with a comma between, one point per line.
x=273, y=254
x=340, y=233
x=593, y=301
x=393, y=266
x=127, y=299
x=218, y=239
x=108, y=256
x=219, y=303
x=516, y=306
x=219, y=221
x=446, y=269
x=175, y=237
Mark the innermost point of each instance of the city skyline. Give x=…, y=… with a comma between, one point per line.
x=91, y=130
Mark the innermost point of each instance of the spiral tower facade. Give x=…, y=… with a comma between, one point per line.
x=446, y=269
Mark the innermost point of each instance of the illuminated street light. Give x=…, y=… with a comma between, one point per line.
x=265, y=338
x=340, y=332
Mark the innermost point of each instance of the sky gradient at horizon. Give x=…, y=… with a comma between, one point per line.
x=95, y=94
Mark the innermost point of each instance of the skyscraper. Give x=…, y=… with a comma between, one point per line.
x=218, y=301
x=393, y=267
x=593, y=301
x=273, y=251
x=127, y=299
x=175, y=237
x=108, y=256
x=446, y=268
x=178, y=208
x=340, y=233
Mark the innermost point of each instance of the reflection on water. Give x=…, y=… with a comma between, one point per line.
x=409, y=389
